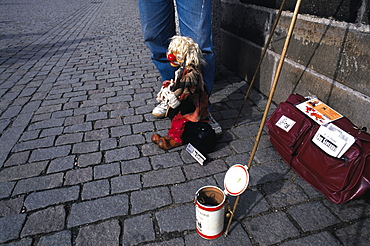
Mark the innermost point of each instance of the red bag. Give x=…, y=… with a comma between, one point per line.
x=339, y=179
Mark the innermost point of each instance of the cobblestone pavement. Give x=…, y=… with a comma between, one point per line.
x=77, y=166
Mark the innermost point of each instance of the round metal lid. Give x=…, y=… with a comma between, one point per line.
x=236, y=180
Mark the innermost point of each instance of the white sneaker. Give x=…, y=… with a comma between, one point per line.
x=160, y=110
x=215, y=125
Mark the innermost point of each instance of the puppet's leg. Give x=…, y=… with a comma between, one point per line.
x=174, y=138
x=177, y=127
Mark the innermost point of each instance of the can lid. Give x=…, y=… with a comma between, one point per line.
x=236, y=180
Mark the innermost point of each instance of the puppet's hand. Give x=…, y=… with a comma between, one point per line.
x=165, y=89
x=173, y=102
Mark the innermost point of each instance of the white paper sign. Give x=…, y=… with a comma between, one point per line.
x=333, y=140
x=285, y=123
x=195, y=154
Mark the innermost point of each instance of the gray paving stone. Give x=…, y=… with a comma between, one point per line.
x=119, y=131
x=61, y=164
x=89, y=159
x=131, y=140
x=143, y=127
x=6, y=189
x=109, y=143
x=52, y=131
x=40, y=143
x=108, y=123
x=105, y=233
x=96, y=210
x=95, y=189
x=17, y=158
x=308, y=189
x=251, y=203
x=44, y=221
x=96, y=135
x=69, y=138
x=185, y=192
x=266, y=173
x=194, y=171
x=122, y=154
x=44, y=199
x=23, y=171
x=77, y=176
x=38, y=183
x=172, y=175
x=135, y=166
x=11, y=207
x=23, y=242
x=85, y=147
x=150, y=199
x=284, y=193
x=245, y=131
x=356, y=234
x=349, y=211
x=151, y=150
x=125, y=183
x=97, y=116
x=63, y=238
x=85, y=111
x=80, y=127
x=50, y=153
x=166, y=160
x=236, y=236
x=11, y=226
x=176, y=241
x=322, y=238
x=8, y=138
x=78, y=119
x=46, y=124
x=176, y=219
x=270, y=228
x=107, y=170
x=132, y=119
x=242, y=145
x=266, y=155
x=138, y=229
x=316, y=216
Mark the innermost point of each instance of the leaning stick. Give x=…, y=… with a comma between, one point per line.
x=272, y=91
x=260, y=61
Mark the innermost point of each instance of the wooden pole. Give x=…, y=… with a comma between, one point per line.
x=260, y=61
x=272, y=91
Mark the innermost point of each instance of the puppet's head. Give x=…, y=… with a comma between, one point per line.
x=184, y=51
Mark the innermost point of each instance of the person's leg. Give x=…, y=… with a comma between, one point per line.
x=195, y=21
x=158, y=27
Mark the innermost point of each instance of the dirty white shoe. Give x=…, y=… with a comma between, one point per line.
x=215, y=125
x=160, y=110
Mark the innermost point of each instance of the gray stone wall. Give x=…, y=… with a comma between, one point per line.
x=326, y=57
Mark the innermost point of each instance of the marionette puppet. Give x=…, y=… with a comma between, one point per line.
x=186, y=94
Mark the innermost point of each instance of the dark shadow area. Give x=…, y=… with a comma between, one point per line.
x=252, y=201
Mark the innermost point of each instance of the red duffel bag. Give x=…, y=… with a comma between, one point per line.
x=339, y=179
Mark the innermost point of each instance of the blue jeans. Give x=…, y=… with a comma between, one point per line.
x=158, y=26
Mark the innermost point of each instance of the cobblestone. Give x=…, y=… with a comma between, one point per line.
x=77, y=165
x=46, y=198
x=47, y=220
x=96, y=210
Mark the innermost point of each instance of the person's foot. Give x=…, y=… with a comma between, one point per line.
x=155, y=138
x=215, y=125
x=167, y=143
x=160, y=110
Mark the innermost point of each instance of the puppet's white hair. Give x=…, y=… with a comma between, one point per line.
x=187, y=49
